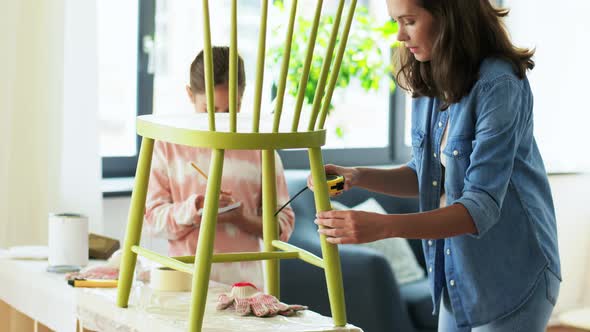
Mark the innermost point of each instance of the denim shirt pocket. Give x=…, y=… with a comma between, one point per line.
x=418, y=147
x=457, y=153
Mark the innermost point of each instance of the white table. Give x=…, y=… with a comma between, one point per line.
x=42, y=296
x=168, y=311
x=46, y=297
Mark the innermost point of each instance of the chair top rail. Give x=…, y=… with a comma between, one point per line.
x=192, y=130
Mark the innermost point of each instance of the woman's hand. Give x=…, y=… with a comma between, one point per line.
x=350, y=175
x=350, y=226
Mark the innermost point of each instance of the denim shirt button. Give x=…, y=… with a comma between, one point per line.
x=430, y=269
x=448, y=252
x=439, y=124
x=434, y=154
x=455, y=153
x=430, y=243
x=452, y=282
x=434, y=183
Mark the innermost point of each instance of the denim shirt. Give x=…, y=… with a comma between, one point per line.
x=494, y=169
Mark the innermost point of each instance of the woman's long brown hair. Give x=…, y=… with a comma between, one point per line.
x=468, y=32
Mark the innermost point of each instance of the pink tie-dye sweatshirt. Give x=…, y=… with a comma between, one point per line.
x=174, y=187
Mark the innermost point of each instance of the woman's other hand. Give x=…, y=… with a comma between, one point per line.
x=350, y=226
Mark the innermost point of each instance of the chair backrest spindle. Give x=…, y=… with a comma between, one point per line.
x=260, y=65
x=319, y=92
x=307, y=66
x=207, y=58
x=337, y=62
x=284, y=68
x=233, y=67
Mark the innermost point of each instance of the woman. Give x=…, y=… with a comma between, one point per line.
x=486, y=215
x=176, y=190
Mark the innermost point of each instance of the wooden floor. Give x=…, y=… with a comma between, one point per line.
x=564, y=329
x=11, y=320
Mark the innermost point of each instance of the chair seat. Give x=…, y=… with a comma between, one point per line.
x=193, y=129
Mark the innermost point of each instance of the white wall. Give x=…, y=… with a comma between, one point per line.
x=115, y=221
x=80, y=168
x=570, y=195
x=28, y=84
x=49, y=159
x=559, y=32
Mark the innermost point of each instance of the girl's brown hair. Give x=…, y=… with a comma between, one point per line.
x=468, y=32
x=220, y=55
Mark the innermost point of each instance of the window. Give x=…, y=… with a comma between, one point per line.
x=125, y=80
x=170, y=37
x=117, y=81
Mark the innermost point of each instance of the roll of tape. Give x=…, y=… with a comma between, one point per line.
x=68, y=240
x=170, y=280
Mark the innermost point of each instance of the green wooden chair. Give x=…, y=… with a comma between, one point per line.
x=199, y=130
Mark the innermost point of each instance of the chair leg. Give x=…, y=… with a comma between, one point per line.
x=135, y=221
x=270, y=229
x=330, y=253
x=204, y=253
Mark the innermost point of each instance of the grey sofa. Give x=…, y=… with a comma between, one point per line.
x=374, y=301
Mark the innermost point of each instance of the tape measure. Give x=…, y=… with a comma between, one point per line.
x=335, y=186
x=335, y=183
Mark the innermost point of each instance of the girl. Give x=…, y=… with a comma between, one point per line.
x=487, y=214
x=176, y=191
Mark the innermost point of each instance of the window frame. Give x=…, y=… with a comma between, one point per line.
x=116, y=167
x=395, y=153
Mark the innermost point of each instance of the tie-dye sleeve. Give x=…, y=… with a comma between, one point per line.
x=163, y=217
x=286, y=217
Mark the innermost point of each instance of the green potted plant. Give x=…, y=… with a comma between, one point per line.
x=363, y=60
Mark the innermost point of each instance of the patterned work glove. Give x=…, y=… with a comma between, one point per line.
x=246, y=299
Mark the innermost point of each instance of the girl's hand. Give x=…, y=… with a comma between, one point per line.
x=350, y=226
x=243, y=220
x=225, y=199
x=350, y=175
x=234, y=216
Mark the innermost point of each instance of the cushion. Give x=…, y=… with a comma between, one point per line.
x=397, y=251
x=416, y=295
